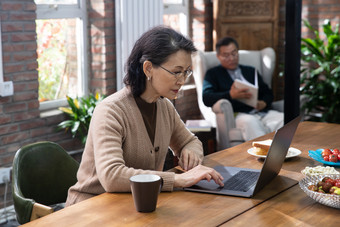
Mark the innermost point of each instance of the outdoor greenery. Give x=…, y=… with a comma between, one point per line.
x=52, y=53
x=80, y=112
x=320, y=72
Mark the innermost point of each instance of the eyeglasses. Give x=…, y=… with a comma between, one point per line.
x=227, y=56
x=185, y=74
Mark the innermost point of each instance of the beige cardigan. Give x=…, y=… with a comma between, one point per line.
x=118, y=146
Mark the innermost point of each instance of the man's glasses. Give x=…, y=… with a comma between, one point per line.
x=185, y=74
x=227, y=56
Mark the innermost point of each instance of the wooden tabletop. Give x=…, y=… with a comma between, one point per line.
x=290, y=208
x=191, y=208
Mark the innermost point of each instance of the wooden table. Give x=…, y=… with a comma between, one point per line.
x=281, y=202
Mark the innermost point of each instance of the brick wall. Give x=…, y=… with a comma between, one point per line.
x=102, y=54
x=316, y=11
x=21, y=121
x=201, y=24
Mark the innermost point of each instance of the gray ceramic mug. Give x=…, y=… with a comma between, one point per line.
x=145, y=189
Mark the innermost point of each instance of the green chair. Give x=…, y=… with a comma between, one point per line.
x=41, y=176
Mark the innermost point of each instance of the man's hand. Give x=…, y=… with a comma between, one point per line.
x=261, y=105
x=236, y=93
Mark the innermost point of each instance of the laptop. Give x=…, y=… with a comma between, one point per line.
x=246, y=182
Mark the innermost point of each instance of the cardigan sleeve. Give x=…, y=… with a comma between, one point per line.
x=181, y=137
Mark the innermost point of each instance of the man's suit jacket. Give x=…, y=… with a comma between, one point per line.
x=217, y=84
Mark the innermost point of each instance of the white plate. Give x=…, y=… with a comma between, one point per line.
x=292, y=152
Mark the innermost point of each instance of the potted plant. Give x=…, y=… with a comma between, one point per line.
x=80, y=112
x=320, y=73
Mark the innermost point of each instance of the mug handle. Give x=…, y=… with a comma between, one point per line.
x=161, y=185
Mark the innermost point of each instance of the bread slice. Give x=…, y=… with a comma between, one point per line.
x=262, y=147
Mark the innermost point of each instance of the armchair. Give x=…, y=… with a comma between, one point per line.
x=221, y=115
x=42, y=174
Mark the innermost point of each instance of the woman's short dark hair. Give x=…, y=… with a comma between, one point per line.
x=225, y=42
x=155, y=45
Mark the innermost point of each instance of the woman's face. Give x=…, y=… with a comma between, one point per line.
x=162, y=82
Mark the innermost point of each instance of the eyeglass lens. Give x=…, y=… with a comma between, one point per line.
x=232, y=54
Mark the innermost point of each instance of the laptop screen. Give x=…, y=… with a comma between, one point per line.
x=277, y=153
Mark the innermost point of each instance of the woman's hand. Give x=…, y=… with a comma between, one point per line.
x=189, y=159
x=197, y=174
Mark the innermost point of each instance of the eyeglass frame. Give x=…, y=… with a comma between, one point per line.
x=179, y=74
x=233, y=54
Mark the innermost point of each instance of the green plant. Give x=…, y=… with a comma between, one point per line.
x=320, y=70
x=52, y=57
x=80, y=112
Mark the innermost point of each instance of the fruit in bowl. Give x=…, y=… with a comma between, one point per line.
x=331, y=155
x=326, y=185
x=326, y=156
x=321, y=189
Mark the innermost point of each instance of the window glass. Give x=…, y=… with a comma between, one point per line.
x=57, y=58
x=61, y=45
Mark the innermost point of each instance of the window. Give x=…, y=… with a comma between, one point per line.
x=176, y=15
x=62, y=59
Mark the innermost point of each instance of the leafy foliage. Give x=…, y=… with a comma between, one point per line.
x=320, y=72
x=80, y=112
x=52, y=53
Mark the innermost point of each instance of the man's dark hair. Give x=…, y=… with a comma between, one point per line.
x=225, y=42
x=155, y=45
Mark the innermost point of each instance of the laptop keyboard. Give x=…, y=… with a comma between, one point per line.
x=241, y=181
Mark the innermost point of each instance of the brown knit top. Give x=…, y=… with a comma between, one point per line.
x=149, y=114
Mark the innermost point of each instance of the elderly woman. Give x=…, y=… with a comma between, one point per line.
x=131, y=130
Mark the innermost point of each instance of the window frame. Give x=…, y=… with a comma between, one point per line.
x=1, y=62
x=69, y=11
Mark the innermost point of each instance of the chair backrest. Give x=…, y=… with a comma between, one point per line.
x=202, y=61
x=42, y=172
x=263, y=60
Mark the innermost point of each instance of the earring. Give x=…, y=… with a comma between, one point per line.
x=148, y=78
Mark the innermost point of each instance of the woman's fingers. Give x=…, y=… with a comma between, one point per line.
x=193, y=161
x=183, y=161
x=197, y=174
x=217, y=177
x=189, y=159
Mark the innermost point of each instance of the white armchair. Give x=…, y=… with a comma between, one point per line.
x=221, y=115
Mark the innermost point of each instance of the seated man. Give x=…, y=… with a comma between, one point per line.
x=219, y=84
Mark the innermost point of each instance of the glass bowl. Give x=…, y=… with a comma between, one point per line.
x=325, y=199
